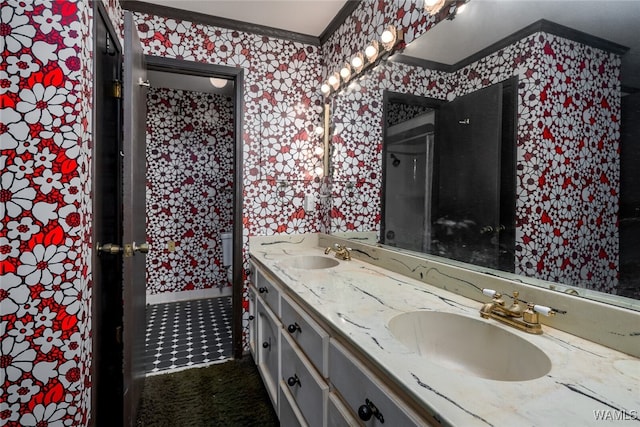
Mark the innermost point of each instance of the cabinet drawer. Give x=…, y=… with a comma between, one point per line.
x=268, y=350
x=268, y=291
x=311, y=338
x=356, y=385
x=338, y=415
x=290, y=415
x=252, y=323
x=308, y=389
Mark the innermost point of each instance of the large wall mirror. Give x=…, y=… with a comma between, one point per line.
x=506, y=138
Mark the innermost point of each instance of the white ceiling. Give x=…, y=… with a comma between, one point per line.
x=309, y=17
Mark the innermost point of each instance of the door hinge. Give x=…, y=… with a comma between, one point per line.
x=119, y=334
x=116, y=89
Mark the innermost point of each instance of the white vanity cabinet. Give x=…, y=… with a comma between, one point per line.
x=373, y=402
x=312, y=379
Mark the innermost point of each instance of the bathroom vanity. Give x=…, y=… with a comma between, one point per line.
x=348, y=342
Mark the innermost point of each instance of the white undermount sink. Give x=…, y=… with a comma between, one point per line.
x=309, y=262
x=472, y=346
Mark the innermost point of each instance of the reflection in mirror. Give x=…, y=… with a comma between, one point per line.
x=523, y=156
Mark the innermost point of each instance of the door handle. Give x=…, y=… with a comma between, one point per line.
x=486, y=229
x=109, y=248
x=142, y=248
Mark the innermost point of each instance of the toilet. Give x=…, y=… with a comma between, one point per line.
x=227, y=254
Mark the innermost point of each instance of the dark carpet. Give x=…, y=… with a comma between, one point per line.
x=226, y=394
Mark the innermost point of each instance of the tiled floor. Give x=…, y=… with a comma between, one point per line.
x=187, y=333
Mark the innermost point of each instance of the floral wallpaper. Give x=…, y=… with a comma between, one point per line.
x=568, y=131
x=45, y=233
x=45, y=146
x=190, y=148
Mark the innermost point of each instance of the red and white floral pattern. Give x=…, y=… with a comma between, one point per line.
x=45, y=234
x=568, y=133
x=190, y=147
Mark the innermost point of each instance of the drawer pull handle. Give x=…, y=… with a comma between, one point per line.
x=252, y=317
x=266, y=344
x=292, y=328
x=367, y=410
x=292, y=381
x=263, y=290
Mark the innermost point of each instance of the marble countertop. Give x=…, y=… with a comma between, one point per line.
x=358, y=299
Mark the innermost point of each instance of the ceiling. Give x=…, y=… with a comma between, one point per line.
x=309, y=17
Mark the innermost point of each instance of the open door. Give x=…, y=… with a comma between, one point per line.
x=133, y=219
x=466, y=204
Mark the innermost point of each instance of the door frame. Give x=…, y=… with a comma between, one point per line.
x=158, y=63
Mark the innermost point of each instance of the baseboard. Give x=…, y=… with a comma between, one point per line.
x=188, y=295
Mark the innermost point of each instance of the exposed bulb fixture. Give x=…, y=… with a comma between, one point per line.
x=218, y=82
x=357, y=62
x=389, y=37
x=371, y=52
x=325, y=89
x=345, y=72
x=433, y=6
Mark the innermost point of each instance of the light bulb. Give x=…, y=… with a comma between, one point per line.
x=334, y=81
x=345, y=72
x=357, y=62
x=387, y=36
x=371, y=52
x=217, y=82
x=325, y=88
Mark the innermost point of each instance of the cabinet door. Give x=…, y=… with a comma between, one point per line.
x=308, y=389
x=361, y=391
x=252, y=323
x=268, y=347
x=311, y=338
x=290, y=415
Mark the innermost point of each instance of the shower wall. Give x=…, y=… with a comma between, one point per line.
x=190, y=147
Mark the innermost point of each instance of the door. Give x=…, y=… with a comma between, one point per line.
x=133, y=218
x=466, y=205
x=106, y=224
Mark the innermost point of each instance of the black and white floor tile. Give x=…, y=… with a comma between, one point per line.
x=187, y=333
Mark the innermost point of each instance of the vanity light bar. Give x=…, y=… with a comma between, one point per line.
x=390, y=39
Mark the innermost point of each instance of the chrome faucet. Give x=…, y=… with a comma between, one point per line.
x=342, y=252
x=514, y=315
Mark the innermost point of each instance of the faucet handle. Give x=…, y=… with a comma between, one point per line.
x=542, y=309
x=489, y=292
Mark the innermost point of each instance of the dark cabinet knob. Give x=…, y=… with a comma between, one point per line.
x=266, y=345
x=364, y=412
x=292, y=328
x=369, y=409
x=292, y=381
x=263, y=290
x=252, y=317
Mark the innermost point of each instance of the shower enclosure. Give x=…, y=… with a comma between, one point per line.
x=409, y=155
